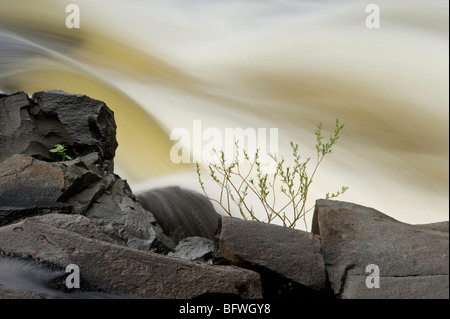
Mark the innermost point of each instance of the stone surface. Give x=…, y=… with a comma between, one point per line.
x=413, y=260
x=120, y=216
x=441, y=226
x=195, y=248
x=8, y=293
x=289, y=260
x=181, y=212
x=33, y=126
x=118, y=269
x=29, y=187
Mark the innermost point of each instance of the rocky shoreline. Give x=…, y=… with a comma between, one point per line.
x=170, y=243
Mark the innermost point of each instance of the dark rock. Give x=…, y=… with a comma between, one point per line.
x=32, y=187
x=195, y=248
x=33, y=126
x=289, y=260
x=118, y=269
x=412, y=259
x=120, y=216
x=76, y=223
x=181, y=212
x=29, y=187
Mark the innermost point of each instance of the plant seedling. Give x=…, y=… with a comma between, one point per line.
x=60, y=150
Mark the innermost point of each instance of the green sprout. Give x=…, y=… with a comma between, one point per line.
x=60, y=150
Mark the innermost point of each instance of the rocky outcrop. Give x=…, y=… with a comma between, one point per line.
x=170, y=242
x=411, y=261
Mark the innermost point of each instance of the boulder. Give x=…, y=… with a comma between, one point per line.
x=115, y=269
x=289, y=260
x=33, y=126
x=181, y=212
x=195, y=248
x=410, y=261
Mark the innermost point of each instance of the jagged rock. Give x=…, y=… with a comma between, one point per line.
x=119, y=215
x=289, y=260
x=118, y=269
x=413, y=260
x=181, y=212
x=195, y=248
x=33, y=126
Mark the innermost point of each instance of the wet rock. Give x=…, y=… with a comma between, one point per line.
x=413, y=260
x=195, y=248
x=181, y=212
x=118, y=269
x=289, y=261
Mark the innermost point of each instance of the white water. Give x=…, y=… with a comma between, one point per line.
x=286, y=64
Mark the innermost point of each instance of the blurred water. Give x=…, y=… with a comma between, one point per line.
x=43, y=281
x=242, y=63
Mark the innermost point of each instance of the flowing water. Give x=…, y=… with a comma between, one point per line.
x=285, y=64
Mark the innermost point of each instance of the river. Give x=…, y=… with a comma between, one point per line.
x=161, y=65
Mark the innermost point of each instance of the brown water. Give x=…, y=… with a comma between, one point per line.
x=285, y=64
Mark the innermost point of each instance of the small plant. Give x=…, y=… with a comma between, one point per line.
x=294, y=183
x=60, y=150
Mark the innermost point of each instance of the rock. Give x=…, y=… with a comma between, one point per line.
x=412, y=259
x=8, y=293
x=120, y=216
x=441, y=226
x=181, y=212
x=195, y=248
x=33, y=126
x=289, y=260
x=115, y=269
x=29, y=187
x=76, y=223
